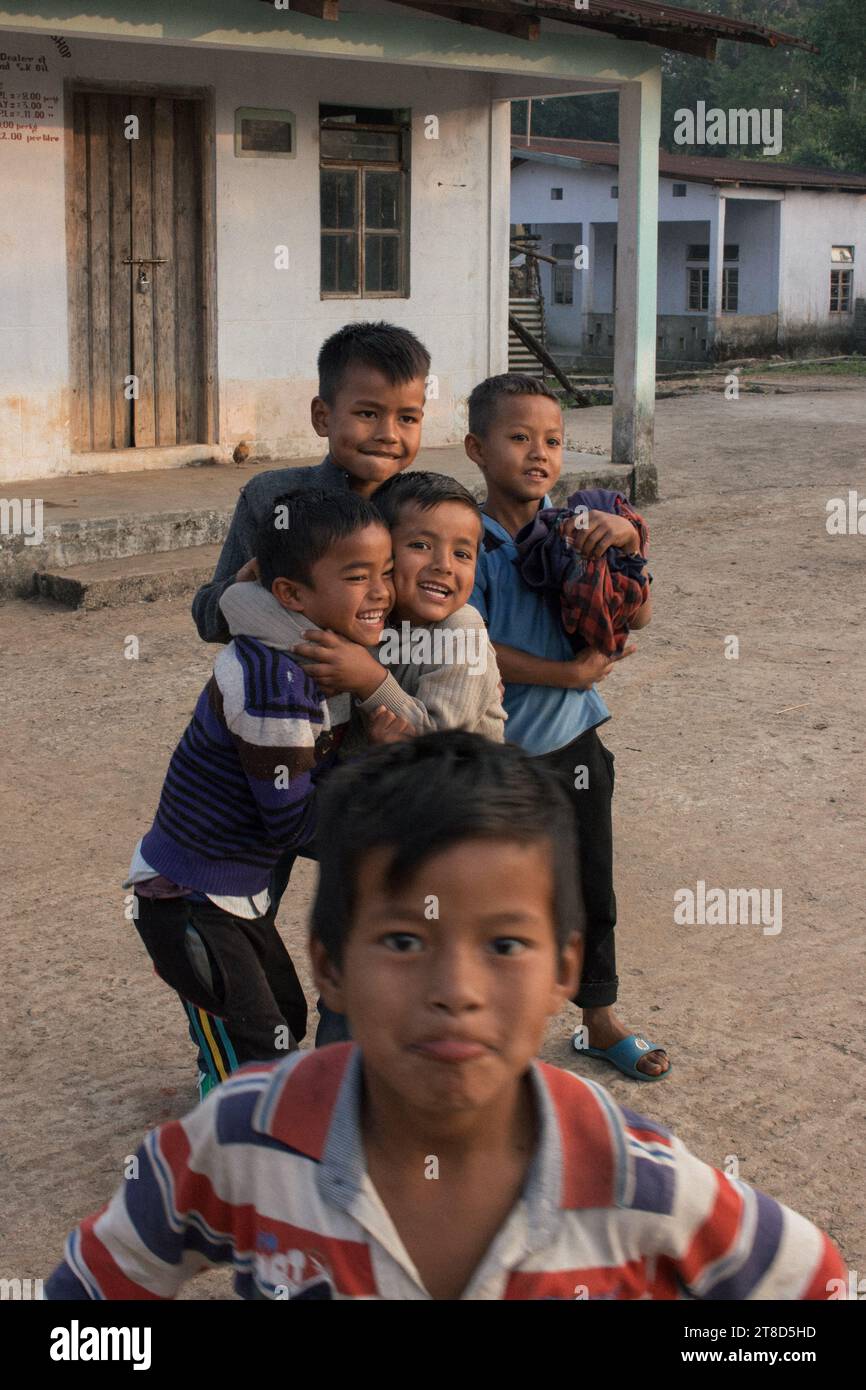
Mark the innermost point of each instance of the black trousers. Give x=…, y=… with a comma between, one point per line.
x=594, y=863
x=332, y=1027
x=235, y=978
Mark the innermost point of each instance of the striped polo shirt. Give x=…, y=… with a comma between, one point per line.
x=269, y=1175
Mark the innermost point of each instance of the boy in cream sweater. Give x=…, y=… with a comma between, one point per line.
x=435, y=666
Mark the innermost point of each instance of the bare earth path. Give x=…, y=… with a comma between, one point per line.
x=718, y=780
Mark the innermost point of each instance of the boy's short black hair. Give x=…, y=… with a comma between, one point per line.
x=425, y=490
x=395, y=352
x=425, y=795
x=485, y=397
x=302, y=526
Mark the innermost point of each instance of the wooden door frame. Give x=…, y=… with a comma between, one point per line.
x=207, y=97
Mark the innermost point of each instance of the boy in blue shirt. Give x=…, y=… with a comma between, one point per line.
x=554, y=710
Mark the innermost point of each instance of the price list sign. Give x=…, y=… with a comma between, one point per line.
x=27, y=109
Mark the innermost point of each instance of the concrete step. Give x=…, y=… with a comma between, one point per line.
x=134, y=579
x=179, y=567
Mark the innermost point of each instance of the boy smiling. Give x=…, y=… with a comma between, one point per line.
x=239, y=791
x=369, y=407
x=435, y=1159
x=554, y=709
x=435, y=668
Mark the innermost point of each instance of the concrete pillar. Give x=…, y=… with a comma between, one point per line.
x=717, y=264
x=590, y=281
x=498, y=235
x=636, y=281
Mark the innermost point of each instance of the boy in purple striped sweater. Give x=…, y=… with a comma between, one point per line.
x=240, y=787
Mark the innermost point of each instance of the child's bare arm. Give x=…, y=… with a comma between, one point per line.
x=580, y=673
x=642, y=616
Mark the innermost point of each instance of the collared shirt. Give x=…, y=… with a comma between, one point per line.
x=541, y=718
x=269, y=1175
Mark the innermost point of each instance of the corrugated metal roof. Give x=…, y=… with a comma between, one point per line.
x=643, y=21
x=698, y=168
x=648, y=14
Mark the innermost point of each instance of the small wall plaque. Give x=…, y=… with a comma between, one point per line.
x=264, y=134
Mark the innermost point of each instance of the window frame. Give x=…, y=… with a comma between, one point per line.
x=727, y=272
x=402, y=167
x=843, y=289
x=558, y=274
x=703, y=291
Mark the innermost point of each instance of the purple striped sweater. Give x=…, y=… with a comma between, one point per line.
x=239, y=788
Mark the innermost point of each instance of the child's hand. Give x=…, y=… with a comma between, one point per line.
x=384, y=726
x=248, y=572
x=603, y=529
x=593, y=666
x=336, y=664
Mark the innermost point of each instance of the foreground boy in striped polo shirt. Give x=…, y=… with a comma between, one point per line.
x=434, y=1158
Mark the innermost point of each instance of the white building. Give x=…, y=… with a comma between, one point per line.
x=751, y=256
x=194, y=195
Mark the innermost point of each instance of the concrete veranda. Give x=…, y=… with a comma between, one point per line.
x=740, y=773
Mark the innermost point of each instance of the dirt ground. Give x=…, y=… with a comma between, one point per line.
x=742, y=773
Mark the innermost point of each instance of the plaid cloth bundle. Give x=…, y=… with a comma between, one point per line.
x=597, y=598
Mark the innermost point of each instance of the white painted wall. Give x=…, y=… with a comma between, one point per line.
x=674, y=241
x=754, y=227
x=811, y=224
x=270, y=323
x=784, y=238
x=562, y=321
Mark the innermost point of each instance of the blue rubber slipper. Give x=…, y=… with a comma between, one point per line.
x=625, y=1055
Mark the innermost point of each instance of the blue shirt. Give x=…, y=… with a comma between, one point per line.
x=541, y=718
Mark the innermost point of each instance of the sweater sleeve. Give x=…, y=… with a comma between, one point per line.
x=275, y=718
x=457, y=694
x=163, y=1225
x=238, y=547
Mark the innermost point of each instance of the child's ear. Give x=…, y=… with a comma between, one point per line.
x=568, y=972
x=288, y=593
x=475, y=450
x=320, y=414
x=326, y=976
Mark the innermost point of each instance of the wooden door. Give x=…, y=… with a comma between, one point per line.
x=136, y=254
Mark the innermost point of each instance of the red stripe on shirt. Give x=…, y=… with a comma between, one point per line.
x=649, y=1136
x=717, y=1232
x=302, y=1114
x=625, y=1281
x=588, y=1168
x=830, y=1266
x=104, y=1269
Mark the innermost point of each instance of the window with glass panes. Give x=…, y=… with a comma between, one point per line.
x=730, y=289
x=364, y=158
x=563, y=284
x=699, y=287
x=698, y=296
x=841, y=280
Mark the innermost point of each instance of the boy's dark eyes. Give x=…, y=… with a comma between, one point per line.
x=403, y=942
x=408, y=943
x=553, y=440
